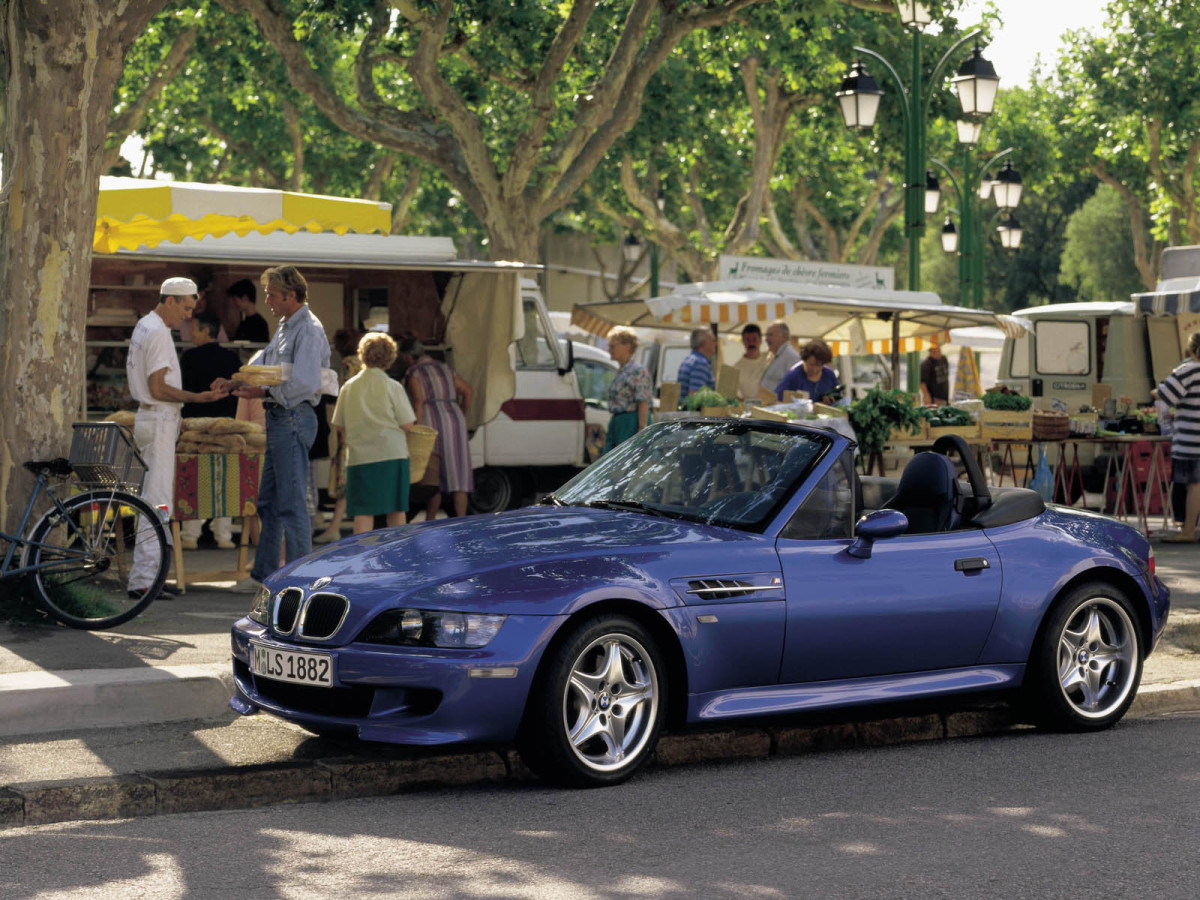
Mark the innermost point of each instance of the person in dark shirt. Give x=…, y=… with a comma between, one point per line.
x=204, y=363
x=935, y=378
x=253, y=327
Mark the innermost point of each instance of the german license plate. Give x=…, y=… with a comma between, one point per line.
x=296, y=666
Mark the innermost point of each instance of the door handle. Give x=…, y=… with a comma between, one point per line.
x=971, y=564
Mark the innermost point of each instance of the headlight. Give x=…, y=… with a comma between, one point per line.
x=432, y=628
x=260, y=609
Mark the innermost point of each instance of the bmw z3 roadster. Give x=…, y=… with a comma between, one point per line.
x=705, y=571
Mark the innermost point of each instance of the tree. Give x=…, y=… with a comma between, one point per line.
x=516, y=103
x=1098, y=258
x=60, y=61
x=1134, y=119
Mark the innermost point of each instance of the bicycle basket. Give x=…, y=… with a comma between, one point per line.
x=103, y=454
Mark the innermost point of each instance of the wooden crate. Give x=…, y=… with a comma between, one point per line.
x=1006, y=425
x=966, y=432
x=904, y=435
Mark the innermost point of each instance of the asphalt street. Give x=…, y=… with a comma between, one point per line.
x=1114, y=814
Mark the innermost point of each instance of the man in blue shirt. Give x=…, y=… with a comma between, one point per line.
x=302, y=350
x=695, y=372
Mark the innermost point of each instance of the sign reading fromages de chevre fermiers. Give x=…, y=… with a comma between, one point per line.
x=807, y=272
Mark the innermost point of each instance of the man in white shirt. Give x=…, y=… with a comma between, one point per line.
x=783, y=354
x=155, y=379
x=753, y=363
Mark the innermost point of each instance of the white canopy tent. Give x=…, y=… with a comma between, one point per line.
x=853, y=321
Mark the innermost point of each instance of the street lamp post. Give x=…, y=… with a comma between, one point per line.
x=969, y=241
x=661, y=202
x=859, y=98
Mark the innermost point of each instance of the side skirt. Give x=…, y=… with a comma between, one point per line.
x=817, y=695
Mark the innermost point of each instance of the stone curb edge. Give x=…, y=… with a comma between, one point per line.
x=344, y=778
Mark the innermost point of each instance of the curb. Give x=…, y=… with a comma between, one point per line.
x=40, y=702
x=344, y=778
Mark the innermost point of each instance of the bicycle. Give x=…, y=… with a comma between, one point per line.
x=80, y=552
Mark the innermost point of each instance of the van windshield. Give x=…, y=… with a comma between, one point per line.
x=1063, y=348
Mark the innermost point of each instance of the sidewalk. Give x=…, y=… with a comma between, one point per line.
x=150, y=730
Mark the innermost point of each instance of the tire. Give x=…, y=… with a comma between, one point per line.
x=1087, y=663
x=595, y=717
x=493, y=492
x=82, y=561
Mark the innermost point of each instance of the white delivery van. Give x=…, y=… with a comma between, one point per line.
x=530, y=418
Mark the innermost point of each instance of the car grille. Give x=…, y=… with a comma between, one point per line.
x=287, y=607
x=719, y=588
x=341, y=702
x=323, y=615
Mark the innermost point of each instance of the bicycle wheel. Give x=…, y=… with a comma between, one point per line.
x=83, y=560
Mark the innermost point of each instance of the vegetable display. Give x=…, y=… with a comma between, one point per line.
x=707, y=397
x=1006, y=400
x=877, y=412
x=945, y=416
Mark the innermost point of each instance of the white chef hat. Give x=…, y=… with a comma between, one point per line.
x=179, y=287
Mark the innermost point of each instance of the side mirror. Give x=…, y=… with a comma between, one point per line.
x=881, y=524
x=570, y=357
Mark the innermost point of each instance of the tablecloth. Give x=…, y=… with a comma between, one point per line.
x=216, y=484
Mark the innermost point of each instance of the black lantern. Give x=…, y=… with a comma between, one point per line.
x=933, y=192
x=913, y=14
x=976, y=84
x=859, y=97
x=631, y=248
x=1008, y=187
x=1010, y=233
x=949, y=236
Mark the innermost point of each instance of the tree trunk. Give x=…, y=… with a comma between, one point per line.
x=62, y=60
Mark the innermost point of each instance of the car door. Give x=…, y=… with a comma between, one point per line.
x=920, y=602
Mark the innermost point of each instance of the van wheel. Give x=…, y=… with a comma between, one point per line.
x=494, y=491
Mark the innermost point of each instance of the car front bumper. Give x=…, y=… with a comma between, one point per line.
x=403, y=695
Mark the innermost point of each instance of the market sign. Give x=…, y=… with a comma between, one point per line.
x=796, y=271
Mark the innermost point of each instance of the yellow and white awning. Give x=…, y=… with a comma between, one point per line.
x=853, y=321
x=135, y=212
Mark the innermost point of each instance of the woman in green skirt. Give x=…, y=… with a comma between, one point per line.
x=630, y=392
x=372, y=415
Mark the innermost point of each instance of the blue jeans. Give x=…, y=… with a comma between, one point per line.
x=283, y=490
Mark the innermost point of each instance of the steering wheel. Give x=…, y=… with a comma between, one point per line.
x=980, y=494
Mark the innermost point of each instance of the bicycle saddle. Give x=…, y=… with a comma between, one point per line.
x=56, y=466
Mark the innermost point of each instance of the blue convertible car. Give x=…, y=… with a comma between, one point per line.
x=706, y=570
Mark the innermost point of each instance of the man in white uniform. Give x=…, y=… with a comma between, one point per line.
x=152, y=368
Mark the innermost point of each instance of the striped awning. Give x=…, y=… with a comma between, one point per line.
x=852, y=321
x=1167, y=304
x=1013, y=326
x=136, y=212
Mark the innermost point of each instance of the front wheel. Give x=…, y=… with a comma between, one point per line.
x=494, y=490
x=1087, y=665
x=83, y=558
x=595, y=718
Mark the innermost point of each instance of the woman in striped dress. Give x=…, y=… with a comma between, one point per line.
x=440, y=398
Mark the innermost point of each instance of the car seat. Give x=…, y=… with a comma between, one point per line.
x=929, y=494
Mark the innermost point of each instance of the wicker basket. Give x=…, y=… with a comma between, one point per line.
x=1050, y=425
x=421, y=440
x=103, y=455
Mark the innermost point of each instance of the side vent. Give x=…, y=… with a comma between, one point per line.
x=720, y=588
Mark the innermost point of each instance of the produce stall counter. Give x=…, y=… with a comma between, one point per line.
x=210, y=485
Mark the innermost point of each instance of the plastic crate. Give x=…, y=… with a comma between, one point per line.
x=103, y=454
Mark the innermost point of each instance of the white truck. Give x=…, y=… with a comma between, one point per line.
x=537, y=414
x=1130, y=346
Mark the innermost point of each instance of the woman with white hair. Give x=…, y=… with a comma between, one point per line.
x=371, y=415
x=630, y=392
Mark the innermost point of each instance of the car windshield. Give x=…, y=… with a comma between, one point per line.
x=734, y=473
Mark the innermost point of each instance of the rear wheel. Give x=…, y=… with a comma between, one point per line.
x=1087, y=665
x=595, y=718
x=494, y=490
x=84, y=558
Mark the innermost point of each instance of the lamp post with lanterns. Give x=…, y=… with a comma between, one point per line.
x=632, y=248
x=968, y=238
x=976, y=84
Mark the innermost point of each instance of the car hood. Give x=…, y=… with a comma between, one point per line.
x=400, y=561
